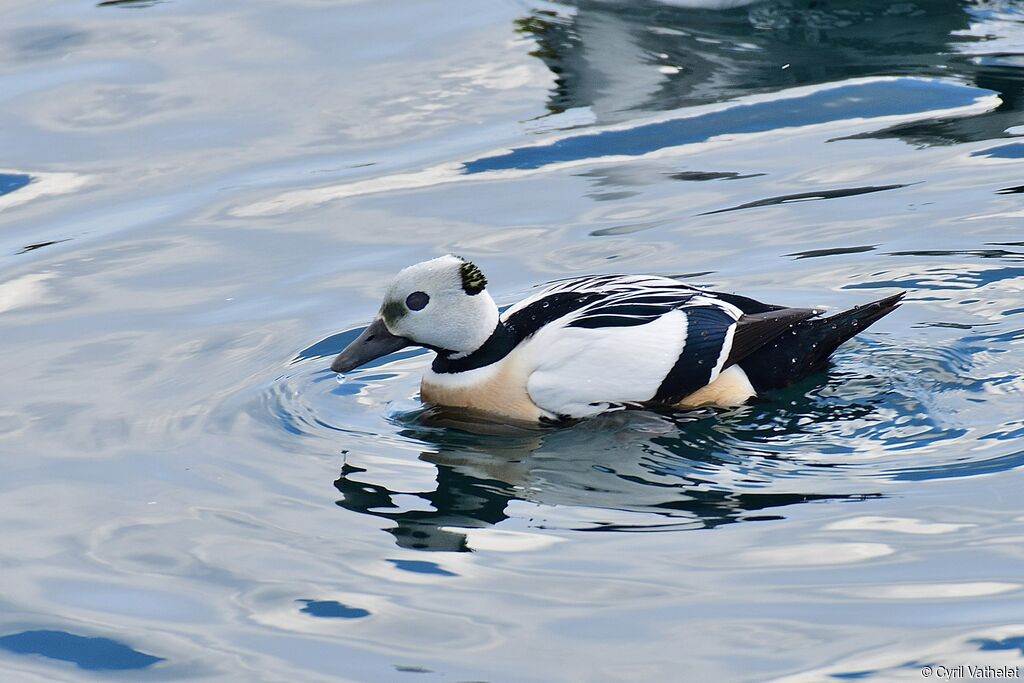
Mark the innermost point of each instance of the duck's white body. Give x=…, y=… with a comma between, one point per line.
x=562, y=370
x=587, y=345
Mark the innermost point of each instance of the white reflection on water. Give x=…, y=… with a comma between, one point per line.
x=43, y=185
x=930, y=591
x=815, y=554
x=27, y=290
x=899, y=525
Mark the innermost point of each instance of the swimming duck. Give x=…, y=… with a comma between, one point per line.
x=587, y=345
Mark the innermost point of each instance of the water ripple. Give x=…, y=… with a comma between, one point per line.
x=887, y=411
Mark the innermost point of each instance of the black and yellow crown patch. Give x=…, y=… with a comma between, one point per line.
x=473, y=281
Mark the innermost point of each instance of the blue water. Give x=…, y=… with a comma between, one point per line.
x=10, y=182
x=332, y=609
x=86, y=653
x=201, y=203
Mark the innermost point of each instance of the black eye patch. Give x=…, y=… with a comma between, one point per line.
x=417, y=301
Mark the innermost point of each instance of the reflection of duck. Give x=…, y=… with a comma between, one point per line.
x=616, y=58
x=640, y=472
x=709, y=4
x=587, y=345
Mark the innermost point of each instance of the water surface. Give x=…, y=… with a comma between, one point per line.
x=201, y=203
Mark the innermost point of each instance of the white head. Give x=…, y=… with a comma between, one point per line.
x=442, y=304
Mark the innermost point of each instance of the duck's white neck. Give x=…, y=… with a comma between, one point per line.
x=468, y=332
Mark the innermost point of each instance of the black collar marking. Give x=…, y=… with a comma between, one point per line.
x=498, y=345
x=525, y=322
x=520, y=326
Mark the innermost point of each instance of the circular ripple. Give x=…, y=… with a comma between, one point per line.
x=884, y=414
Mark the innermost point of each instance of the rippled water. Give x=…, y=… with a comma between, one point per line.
x=200, y=204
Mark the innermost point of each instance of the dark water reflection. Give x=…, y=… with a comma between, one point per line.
x=129, y=3
x=675, y=481
x=618, y=58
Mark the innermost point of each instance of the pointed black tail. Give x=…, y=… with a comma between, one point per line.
x=805, y=347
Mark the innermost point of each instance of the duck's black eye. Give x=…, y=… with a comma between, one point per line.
x=417, y=301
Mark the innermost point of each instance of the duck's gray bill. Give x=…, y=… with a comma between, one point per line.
x=374, y=342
